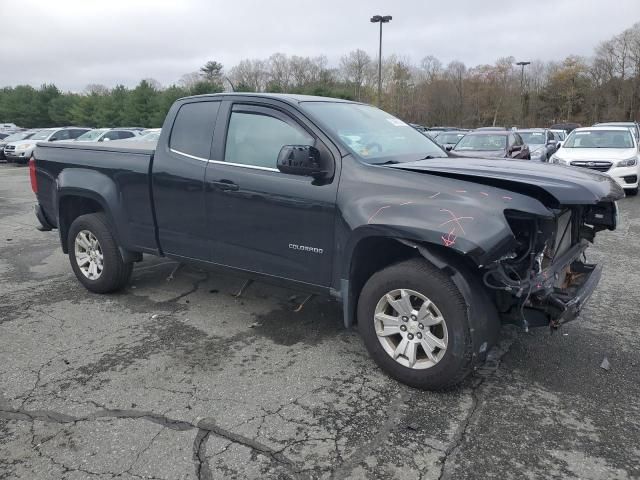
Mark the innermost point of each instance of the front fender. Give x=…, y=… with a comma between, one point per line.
x=468, y=220
x=92, y=184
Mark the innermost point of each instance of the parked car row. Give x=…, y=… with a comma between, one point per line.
x=19, y=146
x=612, y=147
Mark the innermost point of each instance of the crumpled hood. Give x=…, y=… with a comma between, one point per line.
x=595, y=154
x=567, y=185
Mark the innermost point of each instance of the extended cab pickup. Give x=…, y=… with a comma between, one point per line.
x=428, y=254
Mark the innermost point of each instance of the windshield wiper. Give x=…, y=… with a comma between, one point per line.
x=430, y=157
x=388, y=162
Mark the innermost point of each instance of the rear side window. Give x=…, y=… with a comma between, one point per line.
x=193, y=128
x=112, y=135
x=124, y=134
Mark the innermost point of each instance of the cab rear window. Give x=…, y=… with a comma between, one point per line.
x=192, y=130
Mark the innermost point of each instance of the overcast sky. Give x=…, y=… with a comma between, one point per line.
x=76, y=42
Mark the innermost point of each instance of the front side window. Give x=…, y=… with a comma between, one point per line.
x=256, y=139
x=192, y=130
x=599, y=139
x=60, y=135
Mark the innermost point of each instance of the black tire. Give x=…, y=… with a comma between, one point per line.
x=116, y=273
x=422, y=277
x=632, y=192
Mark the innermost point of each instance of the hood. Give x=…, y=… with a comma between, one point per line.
x=596, y=154
x=479, y=153
x=554, y=185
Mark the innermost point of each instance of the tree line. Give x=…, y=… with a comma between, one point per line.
x=604, y=87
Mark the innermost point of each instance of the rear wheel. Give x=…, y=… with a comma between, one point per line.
x=95, y=256
x=413, y=321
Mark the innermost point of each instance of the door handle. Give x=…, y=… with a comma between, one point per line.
x=226, y=185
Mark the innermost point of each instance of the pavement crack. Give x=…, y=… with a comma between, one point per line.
x=194, y=288
x=395, y=413
x=199, y=455
x=205, y=428
x=485, y=372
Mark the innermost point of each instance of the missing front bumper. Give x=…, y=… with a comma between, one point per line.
x=571, y=301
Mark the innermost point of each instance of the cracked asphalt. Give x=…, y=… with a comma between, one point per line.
x=181, y=380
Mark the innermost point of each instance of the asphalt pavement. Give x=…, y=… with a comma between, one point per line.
x=175, y=378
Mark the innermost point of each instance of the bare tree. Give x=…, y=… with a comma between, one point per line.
x=354, y=68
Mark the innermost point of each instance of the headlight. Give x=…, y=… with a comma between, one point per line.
x=25, y=146
x=629, y=162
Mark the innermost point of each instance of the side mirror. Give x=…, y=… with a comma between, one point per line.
x=105, y=139
x=514, y=148
x=303, y=160
x=448, y=148
x=53, y=139
x=558, y=145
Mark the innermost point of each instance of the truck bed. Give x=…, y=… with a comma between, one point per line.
x=119, y=172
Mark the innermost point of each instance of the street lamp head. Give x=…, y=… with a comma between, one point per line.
x=381, y=18
x=522, y=64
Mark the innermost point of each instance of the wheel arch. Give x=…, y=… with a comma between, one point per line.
x=82, y=191
x=371, y=254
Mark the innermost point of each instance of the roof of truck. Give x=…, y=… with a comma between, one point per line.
x=287, y=97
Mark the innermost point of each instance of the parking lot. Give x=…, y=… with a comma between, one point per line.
x=175, y=378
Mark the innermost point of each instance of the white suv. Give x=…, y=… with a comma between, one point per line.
x=613, y=150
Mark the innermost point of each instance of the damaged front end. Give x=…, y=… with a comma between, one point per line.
x=545, y=279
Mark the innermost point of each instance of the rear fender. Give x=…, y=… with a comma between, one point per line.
x=96, y=186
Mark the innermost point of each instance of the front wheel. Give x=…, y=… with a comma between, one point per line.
x=413, y=321
x=94, y=254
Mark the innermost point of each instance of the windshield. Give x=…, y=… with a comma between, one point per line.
x=532, y=138
x=43, y=134
x=449, y=138
x=372, y=134
x=18, y=136
x=91, y=135
x=482, y=142
x=599, y=139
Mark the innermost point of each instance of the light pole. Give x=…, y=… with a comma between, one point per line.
x=522, y=65
x=380, y=19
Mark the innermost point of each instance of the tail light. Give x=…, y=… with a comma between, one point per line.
x=32, y=175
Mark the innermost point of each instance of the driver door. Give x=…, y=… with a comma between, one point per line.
x=260, y=219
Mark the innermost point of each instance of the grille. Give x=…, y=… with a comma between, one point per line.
x=599, y=166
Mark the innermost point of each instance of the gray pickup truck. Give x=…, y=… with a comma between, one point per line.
x=427, y=254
